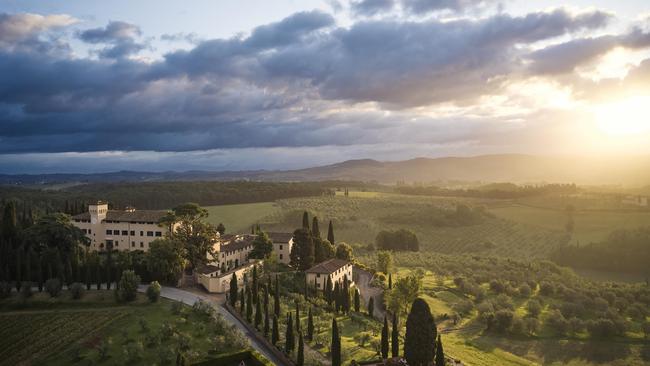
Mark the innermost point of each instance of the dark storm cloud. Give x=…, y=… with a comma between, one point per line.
x=288, y=84
x=371, y=7
x=121, y=37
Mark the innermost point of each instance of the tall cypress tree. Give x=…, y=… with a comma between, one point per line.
x=242, y=302
x=390, y=281
x=315, y=231
x=289, y=342
x=98, y=275
x=39, y=273
x=345, y=294
x=371, y=307
x=234, y=289
x=440, y=353
x=310, y=326
x=19, y=267
x=276, y=298
x=328, y=291
x=357, y=300
x=266, y=322
x=395, y=337
x=266, y=297
x=337, y=297
x=258, y=315
x=249, y=305
x=330, y=233
x=275, y=334
x=420, y=337
x=88, y=275
x=255, y=284
x=335, y=344
x=28, y=266
x=384, y=340
x=69, y=275
x=297, y=317
x=305, y=220
x=300, y=358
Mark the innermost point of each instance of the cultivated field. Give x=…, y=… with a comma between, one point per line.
x=239, y=217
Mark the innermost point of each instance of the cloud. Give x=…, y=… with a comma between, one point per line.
x=371, y=7
x=427, y=6
x=121, y=37
x=19, y=27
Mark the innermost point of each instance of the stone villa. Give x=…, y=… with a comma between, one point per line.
x=336, y=269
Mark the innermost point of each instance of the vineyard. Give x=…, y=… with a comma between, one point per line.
x=34, y=336
x=357, y=220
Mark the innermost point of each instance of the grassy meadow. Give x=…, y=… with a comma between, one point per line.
x=239, y=217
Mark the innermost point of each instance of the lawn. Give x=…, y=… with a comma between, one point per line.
x=590, y=226
x=101, y=330
x=239, y=218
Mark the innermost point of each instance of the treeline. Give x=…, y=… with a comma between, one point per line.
x=159, y=195
x=623, y=251
x=398, y=240
x=496, y=190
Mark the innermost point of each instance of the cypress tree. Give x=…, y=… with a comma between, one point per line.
x=371, y=307
x=357, y=300
x=420, y=337
x=289, y=342
x=310, y=326
x=384, y=340
x=249, y=305
x=300, y=358
x=328, y=290
x=330, y=233
x=337, y=297
x=266, y=297
x=305, y=220
x=109, y=274
x=306, y=288
x=276, y=298
x=242, y=302
x=255, y=288
x=28, y=266
x=395, y=338
x=390, y=281
x=266, y=322
x=275, y=334
x=98, y=275
x=39, y=273
x=297, y=317
x=19, y=268
x=336, y=344
x=69, y=275
x=87, y=272
x=234, y=290
x=258, y=315
x=345, y=294
x=314, y=227
x=440, y=353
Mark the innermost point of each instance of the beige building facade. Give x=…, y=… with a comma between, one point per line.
x=126, y=230
x=334, y=269
x=282, y=244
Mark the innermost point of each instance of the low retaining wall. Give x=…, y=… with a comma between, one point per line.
x=260, y=338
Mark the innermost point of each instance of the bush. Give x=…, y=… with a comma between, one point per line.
x=53, y=287
x=202, y=308
x=26, y=290
x=128, y=286
x=77, y=290
x=534, y=308
x=153, y=291
x=524, y=290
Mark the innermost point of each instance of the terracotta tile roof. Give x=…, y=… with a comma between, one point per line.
x=237, y=242
x=280, y=237
x=329, y=266
x=127, y=216
x=207, y=269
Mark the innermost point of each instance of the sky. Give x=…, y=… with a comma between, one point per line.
x=96, y=86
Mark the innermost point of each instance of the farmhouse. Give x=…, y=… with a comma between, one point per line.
x=125, y=230
x=231, y=251
x=282, y=244
x=335, y=269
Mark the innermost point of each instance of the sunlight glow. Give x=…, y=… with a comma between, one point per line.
x=624, y=117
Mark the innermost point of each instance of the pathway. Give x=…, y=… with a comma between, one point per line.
x=191, y=297
x=367, y=291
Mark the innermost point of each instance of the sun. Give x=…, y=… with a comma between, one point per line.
x=624, y=117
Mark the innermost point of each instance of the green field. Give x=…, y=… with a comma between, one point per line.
x=74, y=332
x=590, y=226
x=358, y=220
x=239, y=218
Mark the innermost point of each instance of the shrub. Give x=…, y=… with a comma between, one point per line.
x=77, y=290
x=503, y=320
x=177, y=307
x=202, y=308
x=534, y=308
x=5, y=290
x=153, y=291
x=26, y=290
x=128, y=287
x=524, y=290
x=53, y=287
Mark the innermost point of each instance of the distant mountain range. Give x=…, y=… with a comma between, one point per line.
x=487, y=168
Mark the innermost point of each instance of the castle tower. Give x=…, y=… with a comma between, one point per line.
x=97, y=211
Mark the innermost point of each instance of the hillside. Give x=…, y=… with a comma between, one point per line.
x=486, y=168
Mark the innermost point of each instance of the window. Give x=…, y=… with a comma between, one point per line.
x=280, y=256
x=158, y=233
x=141, y=233
x=124, y=232
x=141, y=245
x=318, y=284
x=88, y=231
x=280, y=247
x=149, y=233
x=133, y=244
x=109, y=232
x=317, y=275
x=132, y=233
